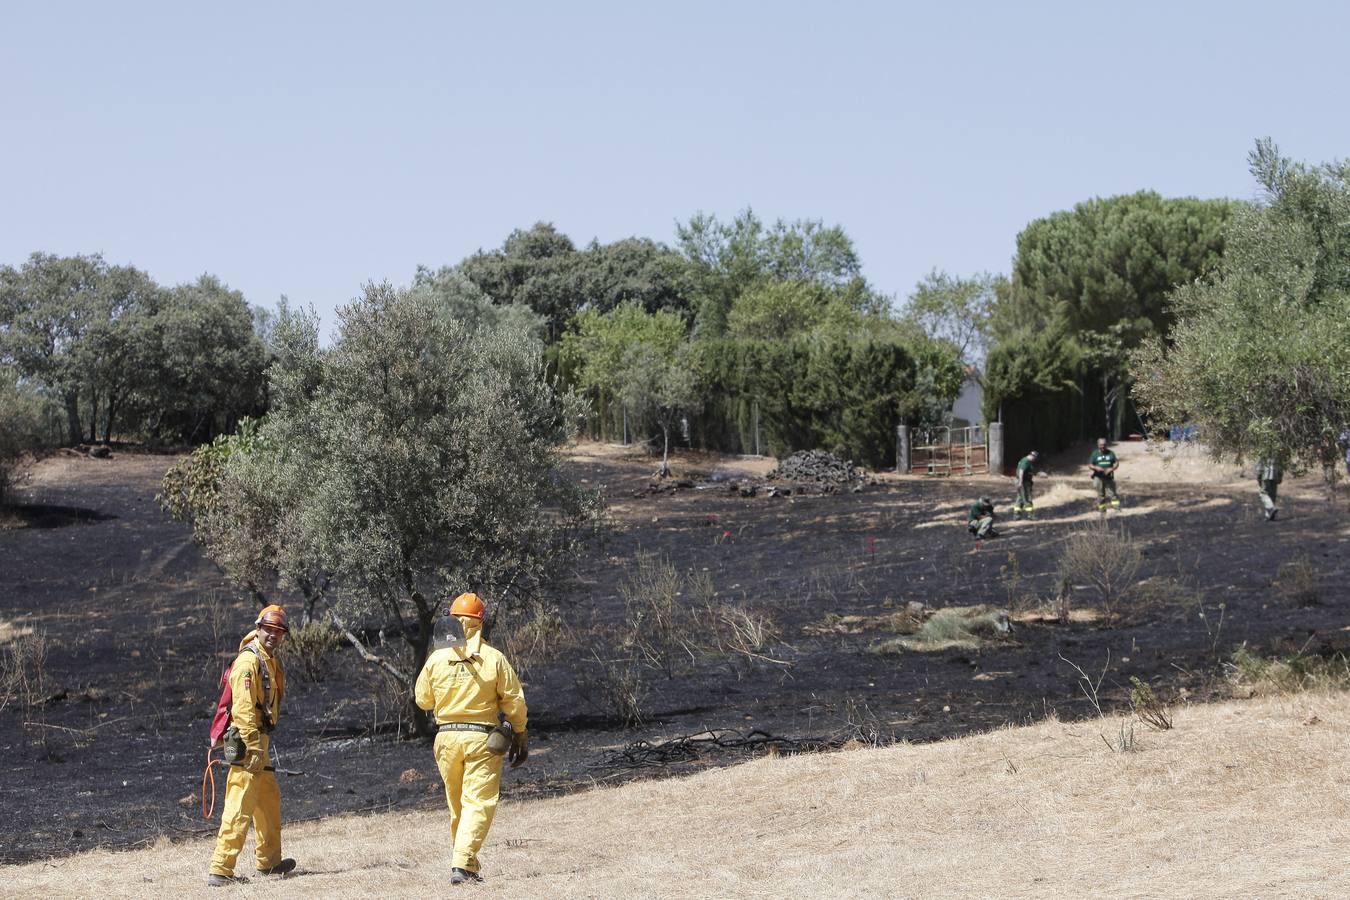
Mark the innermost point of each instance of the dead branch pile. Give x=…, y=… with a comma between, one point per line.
x=818, y=467
x=691, y=747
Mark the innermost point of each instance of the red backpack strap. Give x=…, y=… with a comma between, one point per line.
x=221, y=721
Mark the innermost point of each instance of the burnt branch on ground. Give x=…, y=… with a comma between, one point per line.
x=691, y=747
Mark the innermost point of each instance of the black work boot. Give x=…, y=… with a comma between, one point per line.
x=281, y=868
x=215, y=880
x=462, y=876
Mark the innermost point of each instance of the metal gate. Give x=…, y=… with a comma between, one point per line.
x=952, y=451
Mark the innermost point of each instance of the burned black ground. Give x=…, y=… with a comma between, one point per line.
x=138, y=624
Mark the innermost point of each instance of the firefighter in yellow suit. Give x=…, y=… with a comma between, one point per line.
x=466, y=684
x=257, y=683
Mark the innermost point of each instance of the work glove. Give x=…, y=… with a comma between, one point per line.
x=255, y=761
x=520, y=748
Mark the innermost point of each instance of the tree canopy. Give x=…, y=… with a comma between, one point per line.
x=542, y=270
x=958, y=310
x=640, y=358
x=117, y=350
x=727, y=259
x=411, y=461
x=1259, y=357
x=1088, y=286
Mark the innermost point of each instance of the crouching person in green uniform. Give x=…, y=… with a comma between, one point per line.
x=1103, y=464
x=980, y=519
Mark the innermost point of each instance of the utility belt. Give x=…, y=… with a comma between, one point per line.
x=499, y=738
x=464, y=726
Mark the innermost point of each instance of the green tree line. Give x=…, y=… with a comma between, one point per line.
x=744, y=334
x=113, y=352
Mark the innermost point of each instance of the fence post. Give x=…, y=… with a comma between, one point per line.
x=757, y=450
x=902, y=458
x=995, y=448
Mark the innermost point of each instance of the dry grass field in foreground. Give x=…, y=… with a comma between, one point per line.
x=1245, y=799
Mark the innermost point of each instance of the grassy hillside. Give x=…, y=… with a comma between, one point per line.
x=1239, y=799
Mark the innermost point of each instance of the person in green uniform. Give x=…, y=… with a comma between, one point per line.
x=1026, y=474
x=1268, y=478
x=980, y=519
x=1103, y=464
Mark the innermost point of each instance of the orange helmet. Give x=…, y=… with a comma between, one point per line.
x=274, y=617
x=468, y=605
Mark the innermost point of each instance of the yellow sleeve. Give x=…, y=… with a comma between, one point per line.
x=510, y=695
x=246, y=688
x=423, y=694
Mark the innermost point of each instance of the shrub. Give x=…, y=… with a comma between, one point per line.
x=742, y=633
x=1106, y=559
x=23, y=425
x=1296, y=672
x=531, y=636
x=23, y=669
x=1150, y=710
x=1162, y=595
x=658, y=626
x=1014, y=585
x=1297, y=583
x=312, y=646
x=615, y=686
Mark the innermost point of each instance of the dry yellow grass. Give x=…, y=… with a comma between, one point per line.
x=10, y=631
x=1243, y=799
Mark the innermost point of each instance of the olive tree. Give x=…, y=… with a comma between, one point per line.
x=243, y=508
x=1259, y=357
x=414, y=459
x=660, y=382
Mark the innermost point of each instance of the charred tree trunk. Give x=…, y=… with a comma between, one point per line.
x=93, y=416
x=74, y=427
x=420, y=642
x=108, y=422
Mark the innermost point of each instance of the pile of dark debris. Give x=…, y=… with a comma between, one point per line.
x=804, y=472
x=820, y=468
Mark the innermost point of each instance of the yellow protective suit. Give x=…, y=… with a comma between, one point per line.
x=251, y=792
x=470, y=684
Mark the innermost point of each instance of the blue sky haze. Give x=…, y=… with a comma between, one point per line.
x=303, y=149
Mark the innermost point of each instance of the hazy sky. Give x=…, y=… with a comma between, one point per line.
x=303, y=149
